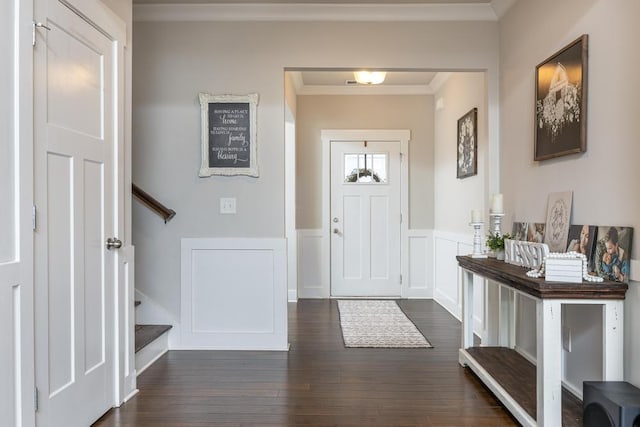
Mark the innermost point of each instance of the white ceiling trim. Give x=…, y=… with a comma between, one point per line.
x=296, y=80
x=365, y=90
x=439, y=80
x=501, y=7
x=316, y=12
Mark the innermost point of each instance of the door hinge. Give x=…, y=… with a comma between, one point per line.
x=401, y=279
x=33, y=217
x=400, y=218
x=35, y=25
x=35, y=399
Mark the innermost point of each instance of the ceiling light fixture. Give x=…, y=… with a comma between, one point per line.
x=369, y=77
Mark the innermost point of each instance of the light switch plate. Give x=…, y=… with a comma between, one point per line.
x=227, y=205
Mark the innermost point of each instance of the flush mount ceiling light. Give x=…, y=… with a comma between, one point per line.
x=369, y=77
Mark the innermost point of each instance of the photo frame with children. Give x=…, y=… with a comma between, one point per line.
x=612, y=257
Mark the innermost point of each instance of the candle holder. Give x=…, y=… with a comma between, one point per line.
x=496, y=223
x=477, y=240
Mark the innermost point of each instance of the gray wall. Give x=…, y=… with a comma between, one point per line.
x=454, y=198
x=174, y=61
x=604, y=179
x=413, y=112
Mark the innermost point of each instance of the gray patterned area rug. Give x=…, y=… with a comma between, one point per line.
x=378, y=324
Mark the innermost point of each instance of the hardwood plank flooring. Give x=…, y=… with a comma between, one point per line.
x=518, y=377
x=318, y=382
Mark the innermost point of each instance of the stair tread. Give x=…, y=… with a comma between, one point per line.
x=146, y=334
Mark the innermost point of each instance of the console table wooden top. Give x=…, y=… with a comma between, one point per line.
x=515, y=276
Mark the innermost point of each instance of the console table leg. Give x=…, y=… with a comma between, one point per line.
x=549, y=363
x=467, y=309
x=613, y=340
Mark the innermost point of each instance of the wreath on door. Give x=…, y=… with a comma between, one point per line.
x=356, y=174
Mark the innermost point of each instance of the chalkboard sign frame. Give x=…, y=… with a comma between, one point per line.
x=215, y=102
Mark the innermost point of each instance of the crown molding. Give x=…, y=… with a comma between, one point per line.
x=318, y=12
x=439, y=80
x=500, y=7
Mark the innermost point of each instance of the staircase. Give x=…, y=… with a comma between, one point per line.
x=151, y=342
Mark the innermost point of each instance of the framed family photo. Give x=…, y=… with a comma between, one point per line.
x=229, y=144
x=468, y=144
x=561, y=102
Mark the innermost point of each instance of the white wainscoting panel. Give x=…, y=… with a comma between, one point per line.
x=311, y=284
x=234, y=294
x=447, y=292
x=418, y=265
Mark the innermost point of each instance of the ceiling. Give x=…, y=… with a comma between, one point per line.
x=338, y=78
x=397, y=82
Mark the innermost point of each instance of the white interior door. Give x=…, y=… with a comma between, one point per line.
x=75, y=76
x=365, y=219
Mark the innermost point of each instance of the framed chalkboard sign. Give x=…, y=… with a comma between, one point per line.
x=229, y=144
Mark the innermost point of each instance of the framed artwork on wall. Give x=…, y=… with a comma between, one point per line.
x=229, y=144
x=468, y=144
x=561, y=102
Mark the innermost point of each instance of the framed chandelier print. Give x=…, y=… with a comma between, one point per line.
x=468, y=144
x=561, y=102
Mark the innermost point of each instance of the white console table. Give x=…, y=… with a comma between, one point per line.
x=549, y=298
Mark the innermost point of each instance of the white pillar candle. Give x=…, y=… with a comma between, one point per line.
x=497, y=206
x=476, y=216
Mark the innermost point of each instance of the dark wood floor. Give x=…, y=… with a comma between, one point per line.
x=518, y=377
x=318, y=382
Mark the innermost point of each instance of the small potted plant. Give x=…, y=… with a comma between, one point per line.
x=495, y=243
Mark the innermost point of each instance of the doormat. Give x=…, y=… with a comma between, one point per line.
x=378, y=324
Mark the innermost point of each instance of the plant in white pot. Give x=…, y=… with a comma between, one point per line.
x=495, y=243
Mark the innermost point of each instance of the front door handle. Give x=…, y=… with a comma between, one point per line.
x=114, y=243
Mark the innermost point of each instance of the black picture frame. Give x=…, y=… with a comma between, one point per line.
x=467, y=145
x=561, y=102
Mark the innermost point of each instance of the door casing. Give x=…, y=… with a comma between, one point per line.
x=355, y=135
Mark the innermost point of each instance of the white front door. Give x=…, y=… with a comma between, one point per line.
x=365, y=219
x=75, y=80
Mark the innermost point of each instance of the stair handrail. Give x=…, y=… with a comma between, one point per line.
x=152, y=203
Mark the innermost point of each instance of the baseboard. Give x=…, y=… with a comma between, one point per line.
x=522, y=352
x=442, y=299
x=130, y=395
x=292, y=295
x=572, y=389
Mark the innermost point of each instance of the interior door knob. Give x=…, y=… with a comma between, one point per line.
x=114, y=243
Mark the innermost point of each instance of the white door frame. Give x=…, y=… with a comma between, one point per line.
x=328, y=135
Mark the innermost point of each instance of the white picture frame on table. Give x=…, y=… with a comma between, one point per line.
x=558, y=220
